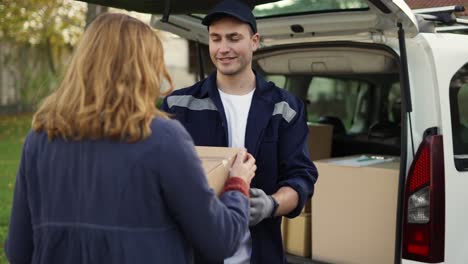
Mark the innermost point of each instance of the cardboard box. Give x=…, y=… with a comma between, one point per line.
x=354, y=211
x=307, y=207
x=216, y=162
x=319, y=141
x=296, y=235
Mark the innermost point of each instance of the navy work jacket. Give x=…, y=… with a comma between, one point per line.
x=276, y=135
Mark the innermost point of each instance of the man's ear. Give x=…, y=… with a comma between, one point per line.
x=255, y=41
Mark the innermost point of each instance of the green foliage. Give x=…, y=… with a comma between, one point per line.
x=3, y=232
x=39, y=34
x=50, y=22
x=36, y=85
x=159, y=102
x=13, y=130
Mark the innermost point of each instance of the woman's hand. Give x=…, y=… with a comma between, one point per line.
x=244, y=166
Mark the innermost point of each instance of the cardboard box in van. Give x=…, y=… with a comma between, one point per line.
x=354, y=210
x=319, y=141
x=296, y=235
x=296, y=231
x=216, y=162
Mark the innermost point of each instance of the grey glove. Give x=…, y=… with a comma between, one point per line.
x=261, y=206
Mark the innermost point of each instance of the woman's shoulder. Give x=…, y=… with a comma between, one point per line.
x=169, y=137
x=166, y=126
x=168, y=130
x=34, y=139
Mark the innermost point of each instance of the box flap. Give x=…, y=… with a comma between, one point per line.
x=319, y=141
x=212, y=157
x=216, y=162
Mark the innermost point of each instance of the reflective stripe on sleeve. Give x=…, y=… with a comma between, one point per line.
x=191, y=102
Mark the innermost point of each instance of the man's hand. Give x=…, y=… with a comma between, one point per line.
x=261, y=206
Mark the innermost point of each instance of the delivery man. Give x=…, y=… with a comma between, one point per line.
x=236, y=107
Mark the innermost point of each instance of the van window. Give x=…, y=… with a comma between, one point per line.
x=338, y=98
x=459, y=116
x=279, y=80
x=394, y=103
x=288, y=7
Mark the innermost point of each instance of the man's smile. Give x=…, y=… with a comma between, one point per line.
x=226, y=59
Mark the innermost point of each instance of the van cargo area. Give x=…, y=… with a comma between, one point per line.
x=355, y=90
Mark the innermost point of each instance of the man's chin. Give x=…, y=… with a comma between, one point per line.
x=228, y=72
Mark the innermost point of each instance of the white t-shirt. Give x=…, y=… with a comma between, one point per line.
x=236, y=108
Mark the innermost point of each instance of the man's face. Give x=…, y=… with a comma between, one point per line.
x=231, y=45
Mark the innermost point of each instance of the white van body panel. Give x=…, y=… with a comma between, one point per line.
x=425, y=114
x=450, y=53
x=433, y=59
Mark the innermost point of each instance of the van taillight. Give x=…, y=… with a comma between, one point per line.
x=424, y=204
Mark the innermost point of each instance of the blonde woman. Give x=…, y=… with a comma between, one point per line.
x=105, y=177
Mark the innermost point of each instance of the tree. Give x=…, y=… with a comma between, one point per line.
x=35, y=21
x=36, y=38
x=51, y=23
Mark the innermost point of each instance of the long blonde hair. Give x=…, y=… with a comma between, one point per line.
x=111, y=85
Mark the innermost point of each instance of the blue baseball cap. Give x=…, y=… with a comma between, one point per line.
x=232, y=8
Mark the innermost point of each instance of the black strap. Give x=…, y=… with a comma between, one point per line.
x=167, y=11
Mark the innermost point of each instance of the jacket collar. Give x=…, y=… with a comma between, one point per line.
x=210, y=88
x=208, y=84
x=260, y=111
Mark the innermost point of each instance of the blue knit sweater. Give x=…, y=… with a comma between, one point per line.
x=102, y=201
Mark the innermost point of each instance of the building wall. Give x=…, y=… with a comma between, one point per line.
x=9, y=74
x=176, y=57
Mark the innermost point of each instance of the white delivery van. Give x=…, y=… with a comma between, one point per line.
x=395, y=91
x=393, y=88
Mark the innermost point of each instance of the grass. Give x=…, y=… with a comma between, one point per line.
x=13, y=129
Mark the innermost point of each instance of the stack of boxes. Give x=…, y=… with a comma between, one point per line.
x=354, y=210
x=297, y=231
x=353, y=214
